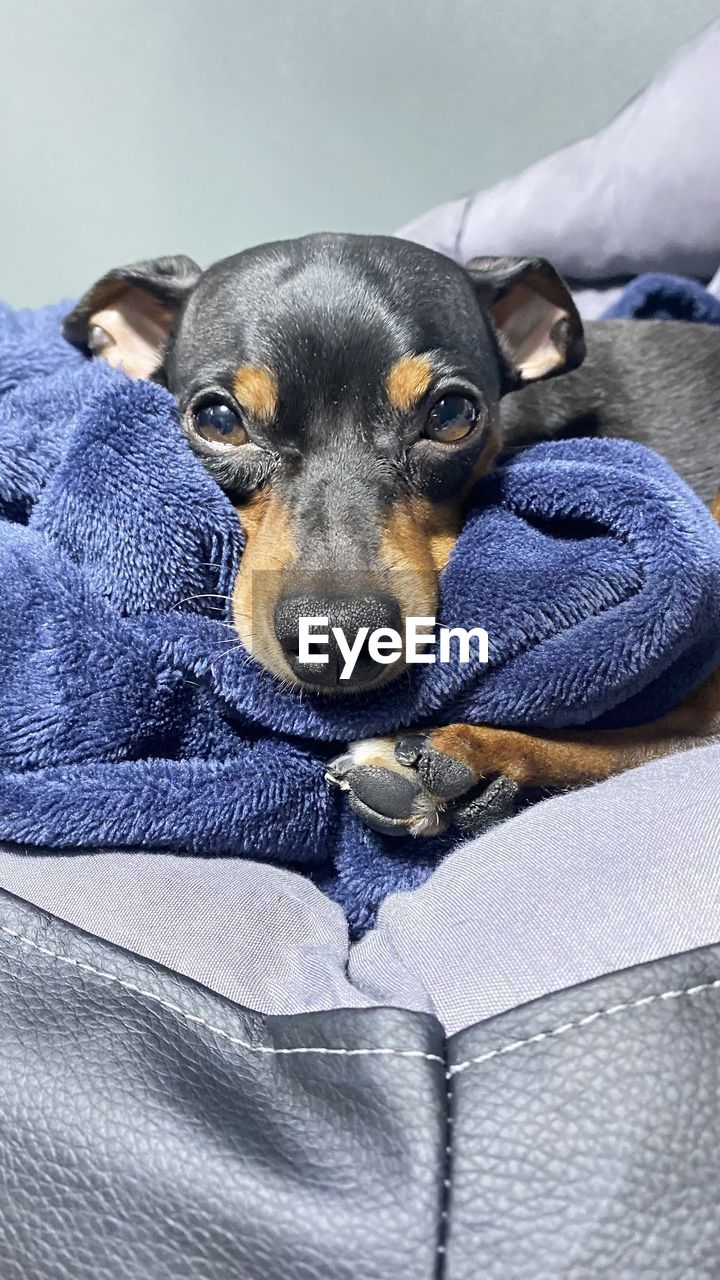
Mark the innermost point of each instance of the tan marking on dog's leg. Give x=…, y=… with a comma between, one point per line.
x=566, y=759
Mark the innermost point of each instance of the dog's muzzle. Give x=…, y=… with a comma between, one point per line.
x=347, y=614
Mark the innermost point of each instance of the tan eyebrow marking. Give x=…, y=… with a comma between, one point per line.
x=407, y=381
x=257, y=391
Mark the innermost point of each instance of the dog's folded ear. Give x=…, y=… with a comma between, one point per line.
x=532, y=312
x=126, y=317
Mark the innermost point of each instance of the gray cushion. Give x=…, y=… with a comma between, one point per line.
x=641, y=195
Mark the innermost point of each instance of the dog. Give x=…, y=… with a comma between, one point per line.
x=347, y=392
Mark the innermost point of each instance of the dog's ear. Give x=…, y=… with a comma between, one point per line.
x=536, y=322
x=126, y=317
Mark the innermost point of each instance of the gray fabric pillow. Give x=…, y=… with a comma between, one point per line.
x=641, y=195
x=578, y=886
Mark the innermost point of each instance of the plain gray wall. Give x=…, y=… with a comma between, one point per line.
x=131, y=128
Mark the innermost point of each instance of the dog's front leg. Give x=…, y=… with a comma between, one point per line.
x=424, y=782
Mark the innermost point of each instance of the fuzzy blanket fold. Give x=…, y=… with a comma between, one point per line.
x=660, y=296
x=128, y=717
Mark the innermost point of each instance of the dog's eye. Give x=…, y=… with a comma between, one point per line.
x=216, y=421
x=451, y=419
x=98, y=339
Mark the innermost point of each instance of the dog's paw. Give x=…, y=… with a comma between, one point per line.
x=404, y=785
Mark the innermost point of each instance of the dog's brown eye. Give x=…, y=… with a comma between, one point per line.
x=218, y=422
x=451, y=419
x=98, y=339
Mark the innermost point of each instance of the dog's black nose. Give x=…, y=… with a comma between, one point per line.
x=304, y=643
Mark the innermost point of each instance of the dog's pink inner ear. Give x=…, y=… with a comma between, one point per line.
x=130, y=331
x=533, y=326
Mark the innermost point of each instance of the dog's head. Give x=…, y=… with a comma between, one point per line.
x=344, y=392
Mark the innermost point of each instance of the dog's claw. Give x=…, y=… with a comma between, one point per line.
x=335, y=769
x=407, y=750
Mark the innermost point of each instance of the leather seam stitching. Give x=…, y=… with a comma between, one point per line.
x=587, y=1021
x=195, y=1019
x=456, y=1069
x=444, y=1223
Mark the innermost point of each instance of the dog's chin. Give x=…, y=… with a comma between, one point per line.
x=387, y=675
x=317, y=684
x=288, y=678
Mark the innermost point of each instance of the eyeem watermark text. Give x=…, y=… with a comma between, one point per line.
x=422, y=642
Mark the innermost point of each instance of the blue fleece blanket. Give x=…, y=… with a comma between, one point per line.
x=659, y=296
x=129, y=717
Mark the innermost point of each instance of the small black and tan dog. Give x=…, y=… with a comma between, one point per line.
x=345, y=391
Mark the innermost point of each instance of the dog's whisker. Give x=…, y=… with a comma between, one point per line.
x=236, y=642
x=238, y=648
x=220, y=653
x=202, y=595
